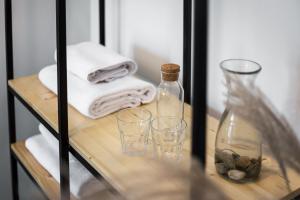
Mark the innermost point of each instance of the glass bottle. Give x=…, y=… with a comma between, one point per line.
x=170, y=94
x=238, y=146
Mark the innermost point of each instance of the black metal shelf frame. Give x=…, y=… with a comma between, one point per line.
x=199, y=86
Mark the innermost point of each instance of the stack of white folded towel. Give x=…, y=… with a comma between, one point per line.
x=99, y=81
x=44, y=148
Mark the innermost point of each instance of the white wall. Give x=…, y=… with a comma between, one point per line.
x=112, y=26
x=34, y=43
x=150, y=32
x=266, y=31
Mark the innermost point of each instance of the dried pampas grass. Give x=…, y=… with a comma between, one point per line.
x=162, y=180
x=251, y=104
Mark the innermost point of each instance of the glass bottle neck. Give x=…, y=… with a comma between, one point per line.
x=248, y=80
x=231, y=79
x=162, y=80
x=170, y=83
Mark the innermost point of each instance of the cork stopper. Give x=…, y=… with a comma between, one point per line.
x=170, y=72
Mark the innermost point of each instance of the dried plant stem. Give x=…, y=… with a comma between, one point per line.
x=251, y=104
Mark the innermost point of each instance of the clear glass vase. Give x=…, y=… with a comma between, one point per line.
x=238, y=146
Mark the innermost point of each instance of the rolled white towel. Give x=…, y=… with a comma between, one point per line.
x=98, y=100
x=82, y=182
x=96, y=63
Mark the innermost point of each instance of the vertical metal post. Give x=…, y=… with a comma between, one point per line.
x=62, y=98
x=200, y=80
x=10, y=97
x=187, y=35
x=102, y=21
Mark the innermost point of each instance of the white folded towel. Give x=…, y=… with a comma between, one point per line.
x=82, y=182
x=51, y=140
x=98, y=100
x=96, y=63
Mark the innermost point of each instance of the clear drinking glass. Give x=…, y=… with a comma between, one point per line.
x=168, y=134
x=134, y=126
x=238, y=144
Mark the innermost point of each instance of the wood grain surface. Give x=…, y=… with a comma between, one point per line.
x=98, y=142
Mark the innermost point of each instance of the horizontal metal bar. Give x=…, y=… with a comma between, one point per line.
x=297, y=197
x=55, y=134
x=33, y=112
x=85, y=163
x=28, y=173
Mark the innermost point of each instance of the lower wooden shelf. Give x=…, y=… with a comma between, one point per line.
x=44, y=180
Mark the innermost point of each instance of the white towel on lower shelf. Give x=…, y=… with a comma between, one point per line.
x=51, y=140
x=98, y=100
x=82, y=182
x=96, y=63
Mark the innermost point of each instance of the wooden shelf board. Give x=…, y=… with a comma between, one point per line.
x=98, y=142
x=43, y=101
x=42, y=177
x=45, y=181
